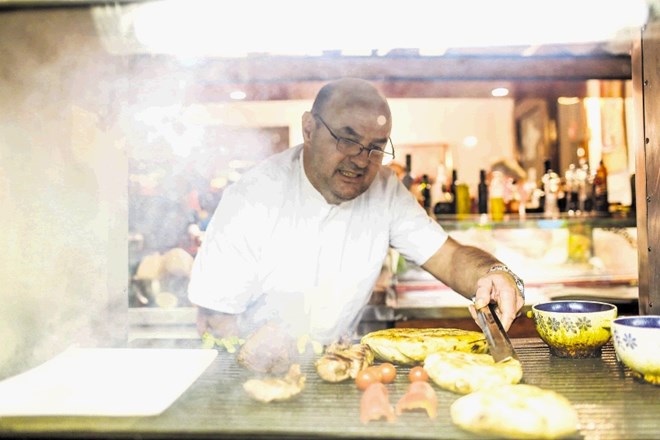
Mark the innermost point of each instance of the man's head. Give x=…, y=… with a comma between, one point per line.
x=348, y=109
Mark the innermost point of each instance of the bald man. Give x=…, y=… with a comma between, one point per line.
x=301, y=238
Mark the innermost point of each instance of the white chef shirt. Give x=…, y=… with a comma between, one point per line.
x=276, y=249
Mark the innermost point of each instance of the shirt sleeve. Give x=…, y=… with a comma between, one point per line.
x=413, y=233
x=224, y=274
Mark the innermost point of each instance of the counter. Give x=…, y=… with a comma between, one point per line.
x=611, y=405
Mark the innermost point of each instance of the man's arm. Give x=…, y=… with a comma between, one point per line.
x=465, y=269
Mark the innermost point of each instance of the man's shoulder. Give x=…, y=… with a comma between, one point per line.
x=271, y=174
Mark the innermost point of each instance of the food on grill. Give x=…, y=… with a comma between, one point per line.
x=467, y=372
x=409, y=346
x=269, y=350
x=515, y=411
x=375, y=404
x=418, y=373
x=341, y=361
x=420, y=395
x=365, y=378
x=387, y=372
x=274, y=388
x=383, y=373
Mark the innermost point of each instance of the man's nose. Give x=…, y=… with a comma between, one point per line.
x=362, y=159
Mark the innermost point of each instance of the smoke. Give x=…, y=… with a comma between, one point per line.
x=64, y=192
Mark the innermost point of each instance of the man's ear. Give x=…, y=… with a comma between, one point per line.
x=308, y=125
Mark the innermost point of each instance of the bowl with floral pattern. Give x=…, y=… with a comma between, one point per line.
x=636, y=341
x=574, y=329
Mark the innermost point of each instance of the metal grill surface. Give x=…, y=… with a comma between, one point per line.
x=611, y=404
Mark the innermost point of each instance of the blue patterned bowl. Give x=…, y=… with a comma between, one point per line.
x=637, y=344
x=574, y=329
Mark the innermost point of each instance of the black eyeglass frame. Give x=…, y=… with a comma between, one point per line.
x=362, y=147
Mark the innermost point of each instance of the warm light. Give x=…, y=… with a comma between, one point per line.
x=237, y=95
x=592, y=107
x=470, y=141
x=499, y=92
x=565, y=100
x=232, y=29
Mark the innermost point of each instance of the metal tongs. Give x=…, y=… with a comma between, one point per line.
x=499, y=344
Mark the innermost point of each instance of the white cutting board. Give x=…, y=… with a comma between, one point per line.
x=104, y=382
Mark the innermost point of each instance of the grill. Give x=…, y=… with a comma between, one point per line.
x=611, y=404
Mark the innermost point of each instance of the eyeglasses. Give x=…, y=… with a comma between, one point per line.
x=353, y=148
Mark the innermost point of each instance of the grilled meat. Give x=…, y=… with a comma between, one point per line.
x=269, y=350
x=272, y=389
x=341, y=361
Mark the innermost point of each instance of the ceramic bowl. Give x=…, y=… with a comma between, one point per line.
x=637, y=344
x=574, y=329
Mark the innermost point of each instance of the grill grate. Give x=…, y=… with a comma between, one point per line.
x=611, y=405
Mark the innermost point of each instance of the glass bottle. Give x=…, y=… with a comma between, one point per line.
x=601, y=204
x=482, y=193
x=496, y=196
x=407, y=178
x=452, y=190
x=572, y=188
x=425, y=191
x=551, y=182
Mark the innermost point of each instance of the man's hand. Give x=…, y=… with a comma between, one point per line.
x=501, y=288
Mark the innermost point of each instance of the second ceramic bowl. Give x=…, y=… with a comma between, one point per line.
x=574, y=329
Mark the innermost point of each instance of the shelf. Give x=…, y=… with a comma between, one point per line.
x=513, y=221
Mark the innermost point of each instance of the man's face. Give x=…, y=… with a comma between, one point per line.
x=336, y=176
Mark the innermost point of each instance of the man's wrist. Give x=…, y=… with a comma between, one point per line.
x=519, y=282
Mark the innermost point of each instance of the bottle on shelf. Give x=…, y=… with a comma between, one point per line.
x=443, y=206
x=408, y=178
x=551, y=182
x=496, y=196
x=463, y=201
x=572, y=189
x=425, y=191
x=534, y=194
x=600, y=197
x=482, y=193
x=452, y=190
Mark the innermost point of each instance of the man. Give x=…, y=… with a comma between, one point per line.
x=300, y=239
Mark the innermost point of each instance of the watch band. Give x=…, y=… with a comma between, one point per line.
x=519, y=283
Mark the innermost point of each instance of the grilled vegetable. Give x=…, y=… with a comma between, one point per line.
x=375, y=404
x=409, y=346
x=515, y=411
x=420, y=395
x=464, y=373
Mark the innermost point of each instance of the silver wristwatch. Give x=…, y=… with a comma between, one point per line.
x=516, y=278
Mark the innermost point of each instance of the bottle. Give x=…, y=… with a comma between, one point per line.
x=482, y=193
x=572, y=188
x=582, y=178
x=551, y=182
x=452, y=190
x=463, y=201
x=425, y=191
x=496, y=196
x=407, y=178
x=601, y=205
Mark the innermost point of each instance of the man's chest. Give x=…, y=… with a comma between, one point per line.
x=310, y=249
